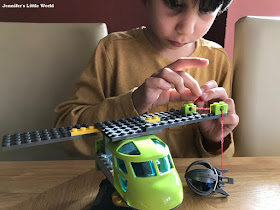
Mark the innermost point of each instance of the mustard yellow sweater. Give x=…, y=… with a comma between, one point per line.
x=121, y=62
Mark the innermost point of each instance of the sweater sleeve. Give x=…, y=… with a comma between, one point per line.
x=92, y=100
x=224, y=80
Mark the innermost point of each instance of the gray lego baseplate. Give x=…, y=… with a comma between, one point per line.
x=34, y=138
x=133, y=127
x=122, y=129
x=114, y=130
x=105, y=164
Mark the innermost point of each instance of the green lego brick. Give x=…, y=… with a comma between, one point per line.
x=216, y=108
x=99, y=146
x=188, y=108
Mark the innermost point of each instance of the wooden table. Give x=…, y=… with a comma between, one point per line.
x=74, y=184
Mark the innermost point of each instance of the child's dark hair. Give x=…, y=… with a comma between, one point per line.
x=204, y=5
x=212, y=5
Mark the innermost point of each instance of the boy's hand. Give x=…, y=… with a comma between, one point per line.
x=211, y=129
x=155, y=91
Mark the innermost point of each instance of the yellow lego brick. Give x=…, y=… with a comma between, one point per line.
x=152, y=119
x=83, y=131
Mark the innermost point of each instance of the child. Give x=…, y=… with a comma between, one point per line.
x=133, y=72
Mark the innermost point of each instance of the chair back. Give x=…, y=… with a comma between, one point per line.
x=39, y=64
x=256, y=85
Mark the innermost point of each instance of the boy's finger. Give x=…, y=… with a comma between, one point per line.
x=230, y=122
x=186, y=62
x=231, y=105
x=190, y=83
x=218, y=93
x=157, y=83
x=209, y=85
x=172, y=77
x=186, y=96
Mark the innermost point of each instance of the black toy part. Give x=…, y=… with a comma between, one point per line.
x=204, y=181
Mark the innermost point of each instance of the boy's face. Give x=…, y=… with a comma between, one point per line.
x=174, y=27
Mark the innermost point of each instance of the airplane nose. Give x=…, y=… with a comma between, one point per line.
x=164, y=193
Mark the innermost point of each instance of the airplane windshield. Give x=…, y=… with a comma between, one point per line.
x=143, y=169
x=129, y=149
x=164, y=164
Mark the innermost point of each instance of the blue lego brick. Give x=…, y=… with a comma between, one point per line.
x=117, y=130
x=34, y=138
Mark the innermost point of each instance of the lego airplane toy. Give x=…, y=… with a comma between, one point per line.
x=136, y=162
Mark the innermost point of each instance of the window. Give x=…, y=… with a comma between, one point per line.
x=159, y=145
x=164, y=164
x=123, y=183
x=121, y=165
x=129, y=149
x=144, y=169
